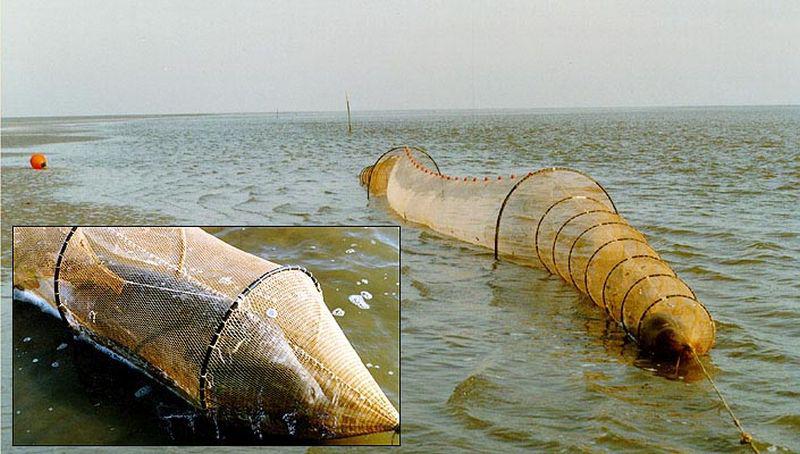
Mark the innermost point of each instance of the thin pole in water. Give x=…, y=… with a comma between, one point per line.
x=349, y=122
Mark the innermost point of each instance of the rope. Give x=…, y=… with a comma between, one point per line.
x=744, y=438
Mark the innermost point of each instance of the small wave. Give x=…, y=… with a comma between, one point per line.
x=662, y=230
x=475, y=386
x=742, y=261
x=790, y=421
x=685, y=253
x=764, y=246
x=769, y=355
x=714, y=275
x=790, y=186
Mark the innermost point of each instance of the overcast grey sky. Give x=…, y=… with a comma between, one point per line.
x=105, y=57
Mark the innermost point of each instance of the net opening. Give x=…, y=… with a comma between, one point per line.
x=395, y=150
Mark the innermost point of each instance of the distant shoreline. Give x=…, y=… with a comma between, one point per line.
x=356, y=112
x=102, y=117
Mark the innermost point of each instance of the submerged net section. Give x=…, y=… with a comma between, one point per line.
x=563, y=221
x=232, y=333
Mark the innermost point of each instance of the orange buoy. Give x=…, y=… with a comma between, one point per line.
x=38, y=161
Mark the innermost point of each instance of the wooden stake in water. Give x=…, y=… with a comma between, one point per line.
x=349, y=122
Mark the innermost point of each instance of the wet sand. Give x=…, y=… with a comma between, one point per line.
x=32, y=140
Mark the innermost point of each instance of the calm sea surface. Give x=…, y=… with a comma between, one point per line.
x=495, y=356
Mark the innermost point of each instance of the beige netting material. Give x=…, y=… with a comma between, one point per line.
x=233, y=333
x=561, y=220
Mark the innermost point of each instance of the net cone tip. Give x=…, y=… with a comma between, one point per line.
x=668, y=337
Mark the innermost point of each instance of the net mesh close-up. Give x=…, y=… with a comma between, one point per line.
x=558, y=219
x=235, y=335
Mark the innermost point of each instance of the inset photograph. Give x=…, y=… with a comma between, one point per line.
x=206, y=336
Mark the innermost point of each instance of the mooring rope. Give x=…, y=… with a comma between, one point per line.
x=745, y=438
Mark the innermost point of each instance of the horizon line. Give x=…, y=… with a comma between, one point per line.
x=444, y=109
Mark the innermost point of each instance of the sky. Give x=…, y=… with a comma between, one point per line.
x=95, y=57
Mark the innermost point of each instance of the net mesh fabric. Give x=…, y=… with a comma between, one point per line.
x=233, y=333
x=563, y=221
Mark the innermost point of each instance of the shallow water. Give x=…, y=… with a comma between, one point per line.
x=497, y=356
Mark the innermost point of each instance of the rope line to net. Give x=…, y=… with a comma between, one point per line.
x=744, y=437
x=233, y=307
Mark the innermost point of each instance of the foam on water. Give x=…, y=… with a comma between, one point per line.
x=358, y=301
